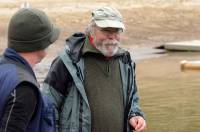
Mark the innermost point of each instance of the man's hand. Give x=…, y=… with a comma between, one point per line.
x=138, y=123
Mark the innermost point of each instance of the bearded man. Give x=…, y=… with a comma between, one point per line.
x=92, y=81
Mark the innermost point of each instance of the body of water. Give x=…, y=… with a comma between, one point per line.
x=170, y=98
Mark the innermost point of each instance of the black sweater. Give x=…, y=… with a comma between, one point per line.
x=19, y=108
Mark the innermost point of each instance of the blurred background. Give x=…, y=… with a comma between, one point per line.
x=169, y=97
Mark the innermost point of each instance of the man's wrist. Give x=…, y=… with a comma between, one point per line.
x=134, y=114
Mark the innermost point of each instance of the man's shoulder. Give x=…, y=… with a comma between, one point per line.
x=57, y=63
x=124, y=54
x=123, y=51
x=8, y=72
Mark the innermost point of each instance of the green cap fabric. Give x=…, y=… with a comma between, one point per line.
x=31, y=30
x=108, y=17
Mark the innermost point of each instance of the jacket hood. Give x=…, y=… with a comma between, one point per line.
x=75, y=44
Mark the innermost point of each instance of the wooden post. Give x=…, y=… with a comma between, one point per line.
x=190, y=65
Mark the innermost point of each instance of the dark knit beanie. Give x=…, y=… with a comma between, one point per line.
x=31, y=30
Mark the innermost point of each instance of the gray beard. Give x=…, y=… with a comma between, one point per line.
x=108, y=47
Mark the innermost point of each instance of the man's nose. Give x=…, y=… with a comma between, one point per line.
x=111, y=35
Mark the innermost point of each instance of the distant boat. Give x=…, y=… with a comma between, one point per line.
x=183, y=46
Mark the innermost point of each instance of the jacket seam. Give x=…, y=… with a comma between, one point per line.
x=10, y=112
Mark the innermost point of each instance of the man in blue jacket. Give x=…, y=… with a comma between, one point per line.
x=22, y=107
x=92, y=81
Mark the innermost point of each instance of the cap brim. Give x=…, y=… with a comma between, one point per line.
x=55, y=34
x=109, y=23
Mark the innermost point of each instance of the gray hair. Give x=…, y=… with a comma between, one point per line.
x=90, y=28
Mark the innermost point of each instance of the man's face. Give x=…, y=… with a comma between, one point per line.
x=107, y=40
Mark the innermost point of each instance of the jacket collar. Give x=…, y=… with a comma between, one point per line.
x=13, y=56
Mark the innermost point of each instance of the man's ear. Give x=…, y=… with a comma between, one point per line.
x=91, y=39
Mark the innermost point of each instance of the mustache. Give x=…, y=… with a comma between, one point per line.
x=111, y=42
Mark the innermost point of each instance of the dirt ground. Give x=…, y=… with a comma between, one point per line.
x=147, y=24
